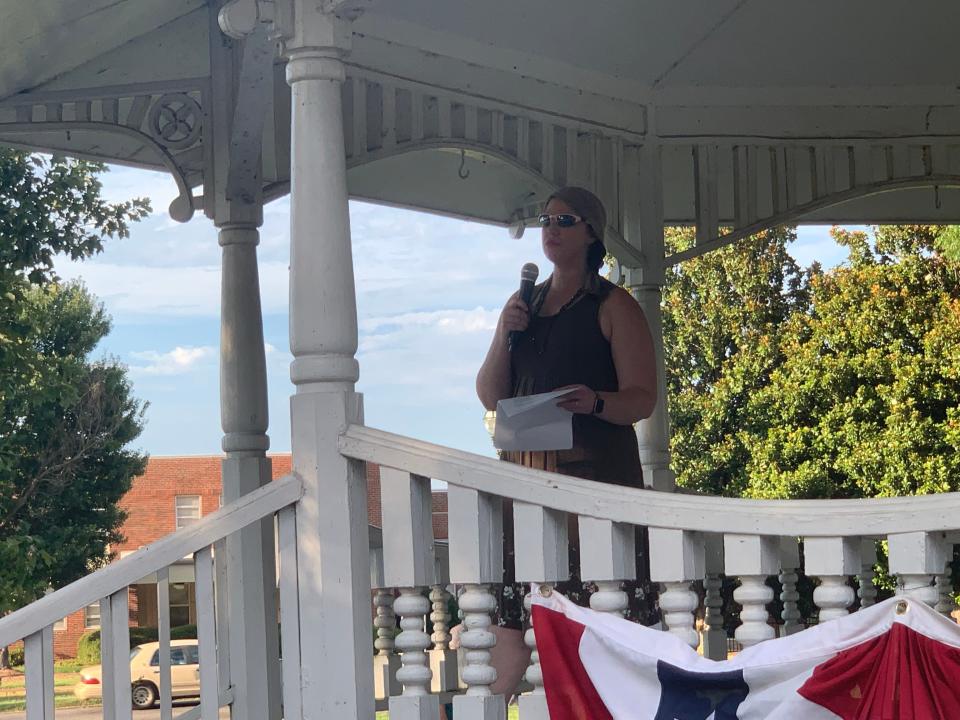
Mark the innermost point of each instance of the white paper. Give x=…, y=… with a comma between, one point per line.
x=533, y=422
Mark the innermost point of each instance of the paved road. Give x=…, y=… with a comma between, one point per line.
x=96, y=713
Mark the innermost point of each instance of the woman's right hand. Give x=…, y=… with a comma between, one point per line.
x=515, y=316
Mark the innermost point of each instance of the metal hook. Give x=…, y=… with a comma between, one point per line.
x=462, y=171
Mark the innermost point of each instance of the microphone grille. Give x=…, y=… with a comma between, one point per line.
x=530, y=272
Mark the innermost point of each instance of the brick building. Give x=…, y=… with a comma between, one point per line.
x=172, y=493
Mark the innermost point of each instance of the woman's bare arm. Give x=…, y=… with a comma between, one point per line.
x=623, y=323
x=493, y=378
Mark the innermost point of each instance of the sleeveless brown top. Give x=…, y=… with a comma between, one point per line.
x=569, y=348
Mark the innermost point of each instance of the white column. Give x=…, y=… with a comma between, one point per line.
x=789, y=562
x=676, y=560
x=916, y=558
x=408, y=563
x=867, y=591
x=541, y=554
x=653, y=434
x=752, y=558
x=332, y=536
x=607, y=557
x=714, y=635
x=832, y=559
x=250, y=557
x=476, y=561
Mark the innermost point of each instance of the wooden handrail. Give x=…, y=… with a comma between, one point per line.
x=874, y=517
x=227, y=520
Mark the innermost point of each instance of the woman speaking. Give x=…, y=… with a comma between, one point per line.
x=580, y=332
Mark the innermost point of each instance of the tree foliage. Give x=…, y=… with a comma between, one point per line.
x=65, y=419
x=722, y=317
x=801, y=383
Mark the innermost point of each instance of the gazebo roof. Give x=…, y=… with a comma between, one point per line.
x=681, y=73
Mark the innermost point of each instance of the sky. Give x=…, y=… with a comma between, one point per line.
x=429, y=291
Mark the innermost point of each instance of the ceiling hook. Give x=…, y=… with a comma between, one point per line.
x=462, y=171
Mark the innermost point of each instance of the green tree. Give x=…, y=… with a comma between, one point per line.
x=866, y=401
x=722, y=316
x=65, y=419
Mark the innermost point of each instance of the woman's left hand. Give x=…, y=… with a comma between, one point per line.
x=579, y=399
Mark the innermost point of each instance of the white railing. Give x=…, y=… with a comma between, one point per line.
x=692, y=539
x=110, y=587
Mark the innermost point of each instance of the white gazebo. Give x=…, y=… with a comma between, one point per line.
x=729, y=114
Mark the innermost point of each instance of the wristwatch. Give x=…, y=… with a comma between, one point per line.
x=597, y=405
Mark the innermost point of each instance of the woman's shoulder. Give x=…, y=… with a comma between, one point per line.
x=619, y=305
x=610, y=293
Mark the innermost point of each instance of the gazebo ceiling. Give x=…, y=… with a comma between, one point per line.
x=695, y=43
x=680, y=73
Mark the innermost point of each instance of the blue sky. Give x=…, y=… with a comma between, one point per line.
x=429, y=292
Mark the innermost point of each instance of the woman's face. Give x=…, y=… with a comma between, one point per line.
x=565, y=246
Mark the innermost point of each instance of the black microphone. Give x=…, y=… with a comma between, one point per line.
x=528, y=278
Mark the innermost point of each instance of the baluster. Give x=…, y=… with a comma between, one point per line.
x=832, y=559
x=439, y=617
x=115, y=656
x=789, y=562
x=443, y=660
x=676, y=560
x=714, y=634
x=945, y=604
x=752, y=558
x=207, y=634
x=289, y=613
x=916, y=558
x=867, y=591
x=541, y=554
x=607, y=552
x=476, y=561
x=412, y=642
x=38, y=651
x=386, y=662
x=408, y=561
x=163, y=635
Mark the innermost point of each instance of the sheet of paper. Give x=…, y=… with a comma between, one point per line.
x=533, y=422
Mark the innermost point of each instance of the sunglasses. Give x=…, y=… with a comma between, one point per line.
x=563, y=220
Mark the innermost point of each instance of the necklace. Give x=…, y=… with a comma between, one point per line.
x=540, y=343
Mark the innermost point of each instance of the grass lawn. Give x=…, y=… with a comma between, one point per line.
x=13, y=692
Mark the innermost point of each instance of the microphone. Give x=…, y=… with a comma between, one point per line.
x=528, y=278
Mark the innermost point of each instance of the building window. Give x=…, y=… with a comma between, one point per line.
x=61, y=625
x=180, y=596
x=187, y=510
x=91, y=616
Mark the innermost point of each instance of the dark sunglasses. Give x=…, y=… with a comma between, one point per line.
x=563, y=220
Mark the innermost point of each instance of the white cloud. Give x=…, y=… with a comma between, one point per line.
x=178, y=361
x=448, y=322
